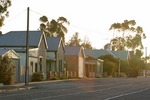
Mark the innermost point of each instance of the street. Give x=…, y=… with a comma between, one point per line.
x=85, y=89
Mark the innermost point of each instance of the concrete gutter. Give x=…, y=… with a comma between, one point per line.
x=13, y=88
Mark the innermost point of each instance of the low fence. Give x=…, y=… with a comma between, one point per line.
x=52, y=75
x=63, y=74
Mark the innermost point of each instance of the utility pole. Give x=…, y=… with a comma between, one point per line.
x=119, y=58
x=27, y=50
x=145, y=61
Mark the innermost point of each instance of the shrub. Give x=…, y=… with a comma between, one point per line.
x=6, y=71
x=37, y=77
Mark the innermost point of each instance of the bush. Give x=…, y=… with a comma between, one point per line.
x=132, y=73
x=37, y=77
x=6, y=71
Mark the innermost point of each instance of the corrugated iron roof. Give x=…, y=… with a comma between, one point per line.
x=97, y=53
x=3, y=51
x=72, y=50
x=121, y=54
x=53, y=43
x=117, y=54
x=18, y=39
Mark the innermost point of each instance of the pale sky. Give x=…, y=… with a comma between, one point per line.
x=91, y=18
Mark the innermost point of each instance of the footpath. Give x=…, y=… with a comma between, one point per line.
x=22, y=86
x=15, y=87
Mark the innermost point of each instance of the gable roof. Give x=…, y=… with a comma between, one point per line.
x=72, y=50
x=97, y=53
x=3, y=52
x=18, y=39
x=53, y=43
x=123, y=55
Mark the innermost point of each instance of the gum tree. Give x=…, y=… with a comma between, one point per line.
x=54, y=27
x=130, y=36
x=4, y=5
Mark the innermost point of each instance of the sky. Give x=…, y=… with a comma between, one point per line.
x=90, y=18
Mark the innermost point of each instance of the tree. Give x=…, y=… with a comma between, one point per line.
x=138, y=53
x=6, y=70
x=118, y=43
x=4, y=5
x=131, y=35
x=124, y=66
x=110, y=68
x=54, y=27
x=110, y=64
x=75, y=40
x=86, y=43
x=136, y=66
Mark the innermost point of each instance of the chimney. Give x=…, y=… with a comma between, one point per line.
x=109, y=47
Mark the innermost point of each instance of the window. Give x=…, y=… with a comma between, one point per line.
x=31, y=64
x=36, y=67
x=40, y=64
x=60, y=65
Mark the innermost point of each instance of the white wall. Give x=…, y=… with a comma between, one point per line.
x=81, y=67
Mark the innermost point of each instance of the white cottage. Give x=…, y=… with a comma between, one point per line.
x=16, y=40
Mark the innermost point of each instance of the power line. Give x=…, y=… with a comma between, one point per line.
x=72, y=25
x=84, y=29
x=38, y=13
x=15, y=16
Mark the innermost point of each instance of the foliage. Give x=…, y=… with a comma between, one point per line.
x=131, y=68
x=136, y=66
x=109, y=58
x=118, y=43
x=110, y=64
x=124, y=66
x=37, y=77
x=54, y=27
x=108, y=46
x=110, y=67
x=76, y=41
x=86, y=43
x=4, y=5
x=131, y=35
x=138, y=53
x=6, y=71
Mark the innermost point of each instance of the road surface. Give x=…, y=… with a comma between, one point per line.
x=87, y=89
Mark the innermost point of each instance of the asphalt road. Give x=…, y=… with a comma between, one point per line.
x=90, y=89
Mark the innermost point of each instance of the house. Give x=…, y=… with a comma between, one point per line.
x=74, y=57
x=15, y=58
x=93, y=66
x=95, y=54
x=16, y=40
x=123, y=55
x=55, y=57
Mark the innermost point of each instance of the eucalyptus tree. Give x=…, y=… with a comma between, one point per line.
x=74, y=40
x=86, y=43
x=138, y=53
x=132, y=35
x=54, y=27
x=4, y=5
